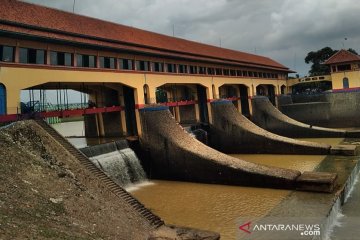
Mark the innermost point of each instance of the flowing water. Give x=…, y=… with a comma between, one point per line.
x=206, y=206
x=122, y=166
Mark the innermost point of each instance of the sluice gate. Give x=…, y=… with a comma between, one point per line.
x=231, y=132
x=176, y=155
x=266, y=116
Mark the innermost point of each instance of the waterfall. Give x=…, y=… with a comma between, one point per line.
x=336, y=215
x=117, y=161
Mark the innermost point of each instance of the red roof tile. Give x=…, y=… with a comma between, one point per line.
x=43, y=21
x=343, y=56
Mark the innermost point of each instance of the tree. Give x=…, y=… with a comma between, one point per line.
x=318, y=58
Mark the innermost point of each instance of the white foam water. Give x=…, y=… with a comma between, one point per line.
x=122, y=166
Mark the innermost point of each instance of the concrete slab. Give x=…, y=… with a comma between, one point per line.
x=347, y=150
x=316, y=182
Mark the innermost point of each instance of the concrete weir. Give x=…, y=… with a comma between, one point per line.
x=270, y=118
x=231, y=132
x=176, y=155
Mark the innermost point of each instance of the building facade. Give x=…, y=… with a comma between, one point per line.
x=43, y=48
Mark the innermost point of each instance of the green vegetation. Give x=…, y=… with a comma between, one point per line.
x=317, y=59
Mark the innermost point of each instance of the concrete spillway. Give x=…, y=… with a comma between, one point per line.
x=270, y=118
x=231, y=132
x=178, y=156
x=117, y=161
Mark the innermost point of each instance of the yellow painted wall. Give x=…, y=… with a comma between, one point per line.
x=16, y=79
x=353, y=76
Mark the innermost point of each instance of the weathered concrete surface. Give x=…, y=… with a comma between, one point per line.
x=316, y=182
x=342, y=110
x=349, y=150
x=270, y=118
x=231, y=132
x=178, y=156
x=91, y=129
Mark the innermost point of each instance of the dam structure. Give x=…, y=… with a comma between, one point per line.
x=168, y=110
x=122, y=70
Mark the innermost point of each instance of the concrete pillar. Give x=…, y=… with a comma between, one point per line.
x=177, y=113
x=250, y=95
x=138, y=123
x=238, y=96
x=100, y=124
x=197, y=114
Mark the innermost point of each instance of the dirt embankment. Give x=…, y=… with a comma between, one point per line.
x=45, y=193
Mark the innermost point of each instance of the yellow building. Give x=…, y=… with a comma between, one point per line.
x=345, y=70
x=119, y=66
x=345, y=74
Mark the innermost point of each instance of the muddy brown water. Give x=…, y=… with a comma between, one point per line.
x=208, y=206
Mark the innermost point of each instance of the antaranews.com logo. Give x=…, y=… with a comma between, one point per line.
x=279, y=228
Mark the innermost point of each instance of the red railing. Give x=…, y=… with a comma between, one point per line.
x=60, y=113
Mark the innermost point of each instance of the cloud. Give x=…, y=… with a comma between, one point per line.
x=285, y=30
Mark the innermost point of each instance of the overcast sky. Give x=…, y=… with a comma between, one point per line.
x=284, y=30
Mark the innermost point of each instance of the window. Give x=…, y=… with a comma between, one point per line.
x=107, y=62
x=232, y=72
x=126, y=64
x=245, y=73
x=32, y=56
x=226, y=72
x=7, y=53
x=171, y=68
x=251, y=74
x=239, y=73
x=333, y=68
x=183, y=68
x=193, y=70
x=211, y=71
x=345, y=67
x=142, y=66
x=202, y=70
x=60, y=58
x=256, y=74
x=218, y=71
x=87, y=61
x=158, y=67
x=345, y=82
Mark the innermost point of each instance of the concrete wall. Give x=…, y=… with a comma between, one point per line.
x=341, y=109
x=187, y=114
x=270, y=118
x=231, y=132
x=176, y=155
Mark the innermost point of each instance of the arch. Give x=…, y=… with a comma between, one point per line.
x=244, y=99
x=345, y=82
x=146, y=94
x=2, y=99
x=282, y=89
x=261, y=90
x=213, y=91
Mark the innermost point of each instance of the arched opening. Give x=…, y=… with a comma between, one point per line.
x=161, y=95
x=283, y=89
x=130, y=116
x=261, y=91
x=213, y=91
x=202, y=101
x=345, y=82
x=2, y=99
x=146, y=94
x=244, y=98
x=266, y=90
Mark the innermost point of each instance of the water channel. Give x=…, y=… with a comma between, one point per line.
x=208, y=206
